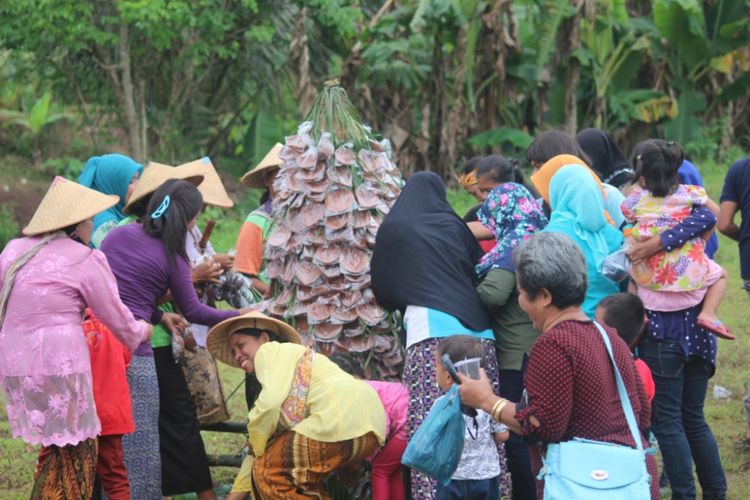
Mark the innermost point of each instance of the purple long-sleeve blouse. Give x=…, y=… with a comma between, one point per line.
x=144, y=274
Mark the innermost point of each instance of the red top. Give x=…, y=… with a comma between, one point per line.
x=109, y=361
x=648, y=381
x=487, y=245
x=572, y=391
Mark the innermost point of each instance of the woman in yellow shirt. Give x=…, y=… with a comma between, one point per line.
x=310, y=419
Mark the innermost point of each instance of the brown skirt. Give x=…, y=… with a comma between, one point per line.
x=67, y=472
x=294, y=466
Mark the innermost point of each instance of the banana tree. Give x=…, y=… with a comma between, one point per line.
x=37, y=113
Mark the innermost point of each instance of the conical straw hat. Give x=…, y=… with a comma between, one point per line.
x=254, y=178
x=211, y=188
x=67, y=203
x=218, y=337
x=154, y=175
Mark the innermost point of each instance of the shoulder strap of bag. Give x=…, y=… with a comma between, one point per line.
x=624, y=399
x=15, y=266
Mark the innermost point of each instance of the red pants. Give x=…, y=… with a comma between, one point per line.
x=110, y=467
x=387, y=483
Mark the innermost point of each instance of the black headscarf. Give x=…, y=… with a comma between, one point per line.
x=606, y=158
x=425, y=255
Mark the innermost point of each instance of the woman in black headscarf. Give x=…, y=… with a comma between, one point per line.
x=423, y=266
x=606, y=158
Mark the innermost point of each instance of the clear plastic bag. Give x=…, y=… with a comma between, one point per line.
x=615, y=266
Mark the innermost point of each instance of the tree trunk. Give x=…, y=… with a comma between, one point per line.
x=573, y=72
x=128, y=95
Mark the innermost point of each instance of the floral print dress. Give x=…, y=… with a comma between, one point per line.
x=682, y=269
x=513, y=215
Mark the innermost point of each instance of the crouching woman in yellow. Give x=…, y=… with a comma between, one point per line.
x=310, y=419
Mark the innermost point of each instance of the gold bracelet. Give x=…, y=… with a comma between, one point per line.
x=497, y=409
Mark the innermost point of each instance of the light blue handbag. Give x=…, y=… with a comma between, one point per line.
x=583, y=469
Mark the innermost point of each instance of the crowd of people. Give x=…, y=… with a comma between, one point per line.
x=112, y=291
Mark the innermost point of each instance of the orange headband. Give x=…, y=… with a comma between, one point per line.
x=467, y=180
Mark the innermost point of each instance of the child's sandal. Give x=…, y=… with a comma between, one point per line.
x=717, y=328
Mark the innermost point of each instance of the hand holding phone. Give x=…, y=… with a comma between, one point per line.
x=451, y=369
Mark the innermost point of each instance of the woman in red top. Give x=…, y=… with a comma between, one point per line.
x=571, y=389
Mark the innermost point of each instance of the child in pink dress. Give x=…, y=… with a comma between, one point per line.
x=685, y=276
x=387, y=483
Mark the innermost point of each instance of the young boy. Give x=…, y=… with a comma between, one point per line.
x=625, y=313
x=478, y=472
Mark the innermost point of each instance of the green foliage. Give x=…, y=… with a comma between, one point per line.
x=264, y=132
x=461, y=201
x=686, y=125
x=552, y=14
x=9, y=228
x=69, y=168
x=503, y=136
x=683, y=24
x=36, y=114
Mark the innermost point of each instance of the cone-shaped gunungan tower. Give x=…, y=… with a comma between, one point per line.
x=334, y=187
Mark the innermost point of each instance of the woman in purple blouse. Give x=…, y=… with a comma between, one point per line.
x=149, y=260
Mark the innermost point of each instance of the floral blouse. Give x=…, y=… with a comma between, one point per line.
x=45, y=368
x=682, y=269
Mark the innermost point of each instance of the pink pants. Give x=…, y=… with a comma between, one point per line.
x=387, y=483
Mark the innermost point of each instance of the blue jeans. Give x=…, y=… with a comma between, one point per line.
x=516, y=451
x=474, y=489
x=678, y=420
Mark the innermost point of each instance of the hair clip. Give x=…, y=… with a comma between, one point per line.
x=639, y=157
x=671, y=143
x=162, y=208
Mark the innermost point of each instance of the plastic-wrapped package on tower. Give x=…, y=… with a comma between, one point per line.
x=334, y=187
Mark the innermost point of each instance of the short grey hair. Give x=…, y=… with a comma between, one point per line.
x=552, y=261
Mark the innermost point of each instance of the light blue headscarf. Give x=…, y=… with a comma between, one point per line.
x=578, y=212
x=110, y=174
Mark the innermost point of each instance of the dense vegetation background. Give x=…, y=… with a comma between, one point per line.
x=444, y=80
x=172, y=80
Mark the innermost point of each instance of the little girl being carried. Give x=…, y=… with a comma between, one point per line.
x=478, y=472
x=685, y=276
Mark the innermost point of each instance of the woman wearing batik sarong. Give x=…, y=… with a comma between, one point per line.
x=311, y=418
x=48, y=279
x=423, y=266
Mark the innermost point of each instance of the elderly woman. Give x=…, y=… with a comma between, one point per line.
x=110, y=174
x=570, y=385
x=310, y=419
x=44, y=360
x=512, y=214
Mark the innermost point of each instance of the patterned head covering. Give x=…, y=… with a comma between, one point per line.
x=513, y=215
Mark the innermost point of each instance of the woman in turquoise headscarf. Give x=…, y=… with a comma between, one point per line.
x=578, y=212
x=110, y=174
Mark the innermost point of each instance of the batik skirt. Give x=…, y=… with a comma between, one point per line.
x=66, y=472
x=294, y=466
x=141, y=448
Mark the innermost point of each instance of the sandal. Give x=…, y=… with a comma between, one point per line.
x=717, y=328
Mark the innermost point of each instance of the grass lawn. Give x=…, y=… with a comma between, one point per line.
x=726, y=416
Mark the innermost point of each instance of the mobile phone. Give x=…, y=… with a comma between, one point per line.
x=451, y=369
